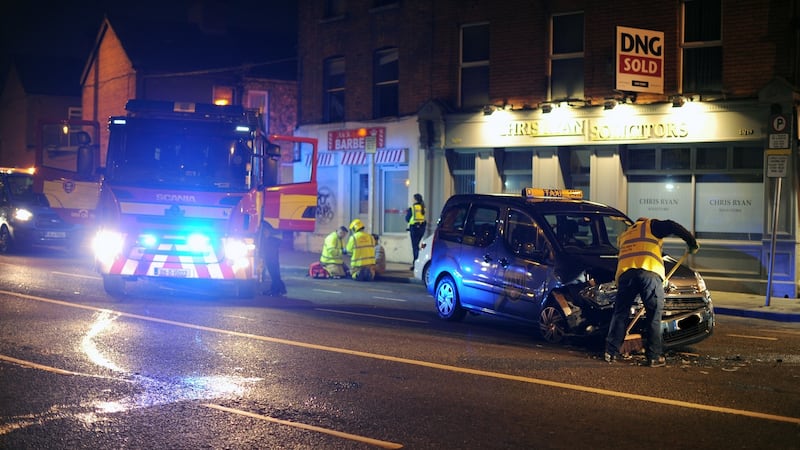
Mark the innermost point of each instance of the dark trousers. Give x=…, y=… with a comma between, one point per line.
x=272, y=248
x=417, y=231
x=650, y=288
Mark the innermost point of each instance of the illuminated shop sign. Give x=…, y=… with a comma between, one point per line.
x=597, y=130
x=355, y=139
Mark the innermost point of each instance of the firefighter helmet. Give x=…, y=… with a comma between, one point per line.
x=356, y=225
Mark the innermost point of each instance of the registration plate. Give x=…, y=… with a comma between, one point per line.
x=55, y=234
x=173, y=273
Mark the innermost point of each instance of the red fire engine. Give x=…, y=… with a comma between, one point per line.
x=191, y=191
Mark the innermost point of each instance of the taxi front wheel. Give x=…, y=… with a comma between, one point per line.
x=552, y=324
x=447, y=303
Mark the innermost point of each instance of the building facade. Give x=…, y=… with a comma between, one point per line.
x=683, y=109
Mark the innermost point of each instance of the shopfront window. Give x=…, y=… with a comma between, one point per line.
x=395, y=193
x=462, y=168
x=517, y=170
x=716, y=190
x=576, y=168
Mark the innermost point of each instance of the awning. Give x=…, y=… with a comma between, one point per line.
x=391, y=156
x=324, y=159
x=386, y=156
x=354, y=158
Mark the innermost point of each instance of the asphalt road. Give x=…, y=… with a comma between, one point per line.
x=340, y=364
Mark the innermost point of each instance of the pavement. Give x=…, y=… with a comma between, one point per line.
x=740, y=304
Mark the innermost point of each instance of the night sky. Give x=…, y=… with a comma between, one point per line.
x=69, y=27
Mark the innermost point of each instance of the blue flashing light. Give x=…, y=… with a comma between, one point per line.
x=148, y=241
x=243, y=128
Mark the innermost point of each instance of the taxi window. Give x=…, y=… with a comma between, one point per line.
x=587, y=232
x=524, y=236
x=451, y=223
x=481, y=226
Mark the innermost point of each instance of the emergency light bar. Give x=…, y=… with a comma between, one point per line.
x=531, y=192
x=134, y=106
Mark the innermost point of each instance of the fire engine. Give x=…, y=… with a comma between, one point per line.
x=67, y=159
x=191, y=191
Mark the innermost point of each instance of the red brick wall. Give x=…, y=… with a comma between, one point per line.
x=757, y=46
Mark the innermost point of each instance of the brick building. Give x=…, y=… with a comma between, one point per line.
x=675, y=109
x=203, y=61
x=36, y=88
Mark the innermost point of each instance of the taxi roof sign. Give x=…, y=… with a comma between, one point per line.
x=531, y=192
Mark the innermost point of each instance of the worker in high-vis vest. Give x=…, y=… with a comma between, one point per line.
x=416, y=225
x=332, y=251
x=640, y=271
x=361, y=247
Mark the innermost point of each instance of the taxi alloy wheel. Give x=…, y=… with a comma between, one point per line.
x=447, y=303
x=552, y=324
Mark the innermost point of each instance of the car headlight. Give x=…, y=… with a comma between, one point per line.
x=701, y=283
x=601, y=294
x=23, y=215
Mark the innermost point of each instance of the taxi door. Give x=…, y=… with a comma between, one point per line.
x=524, y=269
x=479, y=256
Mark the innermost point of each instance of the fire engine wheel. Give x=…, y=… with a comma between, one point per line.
x=114, y=285
x=552, y=324
x=5, y=240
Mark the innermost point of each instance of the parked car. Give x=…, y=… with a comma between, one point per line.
x=423, y=263
x=548, y=257
x=25, y=217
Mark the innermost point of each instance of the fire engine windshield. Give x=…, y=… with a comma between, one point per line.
x=198, y=155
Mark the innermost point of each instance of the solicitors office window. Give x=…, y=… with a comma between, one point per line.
x=385, y=95
x=576, y=168
x=474, y=65
x=702, y=46
x=517, y=170
x=462, y=168
x=333, y=86
x=566, y=57
x=715, y=190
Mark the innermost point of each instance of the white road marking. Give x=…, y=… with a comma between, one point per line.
x=430, y=365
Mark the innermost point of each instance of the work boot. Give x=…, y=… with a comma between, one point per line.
x=657, y=362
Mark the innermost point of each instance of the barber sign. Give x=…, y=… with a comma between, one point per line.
x=640, y=60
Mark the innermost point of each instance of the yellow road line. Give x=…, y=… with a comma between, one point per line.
x=337, y=311
x=752, y=337
x=432, y=365
x=340, y=434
